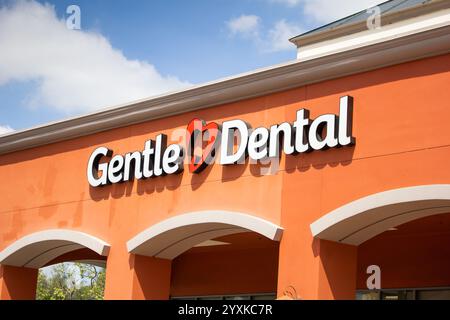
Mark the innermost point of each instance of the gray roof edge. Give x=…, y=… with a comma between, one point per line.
x=257, y=83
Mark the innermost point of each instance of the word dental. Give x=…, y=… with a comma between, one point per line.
x=158, y=158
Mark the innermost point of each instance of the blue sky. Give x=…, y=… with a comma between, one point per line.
x=188, y=39
x=127, y=50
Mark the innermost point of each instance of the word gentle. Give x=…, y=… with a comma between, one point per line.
x=204, y=140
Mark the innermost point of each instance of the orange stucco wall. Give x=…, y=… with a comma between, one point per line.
x=402, y=140
x=407, y=262
x=17, y=283
x=225, y=271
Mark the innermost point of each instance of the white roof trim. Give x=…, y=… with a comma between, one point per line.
x=37, y=249
x=173, y=236
x=361, y=220
x=336, y=30
x=260, y=82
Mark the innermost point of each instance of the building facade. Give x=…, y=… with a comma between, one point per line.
x=317, y=206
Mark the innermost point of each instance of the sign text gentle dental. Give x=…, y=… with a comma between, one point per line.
x=205, y=140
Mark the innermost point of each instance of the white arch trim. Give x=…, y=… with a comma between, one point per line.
x=361, y=220
x=171, y=237
x=38, y=249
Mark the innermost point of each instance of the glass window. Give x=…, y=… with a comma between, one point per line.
x=397, y=295
x=265, y=296
x=237, y=298
x=433, y=295
x=209, y=298
x=405, y=294
x=374, y=295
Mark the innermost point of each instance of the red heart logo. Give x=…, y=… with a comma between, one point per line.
x=202, y=140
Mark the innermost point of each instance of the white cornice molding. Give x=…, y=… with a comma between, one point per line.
x=367, y=37
x=260, y=82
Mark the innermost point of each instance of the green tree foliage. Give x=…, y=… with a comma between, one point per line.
x=71, y=281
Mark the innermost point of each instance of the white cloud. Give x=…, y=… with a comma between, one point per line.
x=279, y=35
x=325, y=11
x=5, y=130
x=245, y=25
x=77, y=71
x=329, y=10
x=271, y=40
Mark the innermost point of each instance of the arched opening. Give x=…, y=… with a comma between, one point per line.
x=171, y=237
x=215, y=254
x=401, y=238
x=367, y=217
x=241, y=266
x=413, y=261
x=38, y=249
x=46, y=260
